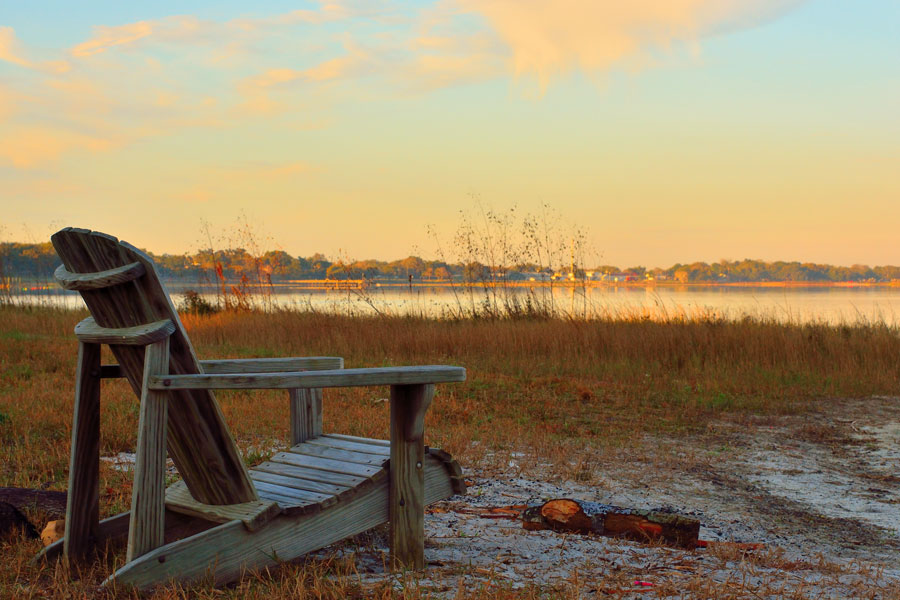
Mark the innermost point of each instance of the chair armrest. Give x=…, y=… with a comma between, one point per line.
x=311, y=379
x=250, y=365
x=271, y=365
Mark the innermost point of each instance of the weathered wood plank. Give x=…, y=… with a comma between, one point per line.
x=88, y=332
x=113, y=531
x=296, y=468
x=83, y=501
x=148, y=508
x=305, y=414
x=407, y=476
x=227, y=551
x=271, y=365
x=282, y=501
x=109, y=529
x=101, y=279
x=326, y=464
x=452, y=466
x=330, y=441
x=292, y=492
x=253, y=514
x=249, y=365
x=288, y=496
x=199, y=441
x=447, y=459
x=313, y=379
x=311, y=449
x=290, y=482
x=357, y=439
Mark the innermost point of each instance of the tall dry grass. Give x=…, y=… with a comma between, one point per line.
x=546, y=381
x=560, y=388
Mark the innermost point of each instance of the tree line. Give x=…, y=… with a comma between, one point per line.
x=760, y=271
x=37, y=261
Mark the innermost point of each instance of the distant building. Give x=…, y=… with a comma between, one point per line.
x=535, y=276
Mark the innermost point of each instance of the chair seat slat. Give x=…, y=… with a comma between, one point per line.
x=100, y=279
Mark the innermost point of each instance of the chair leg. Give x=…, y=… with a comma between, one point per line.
x=407, y=475
x=305, y=414
x=148, y=500
x=83, y=503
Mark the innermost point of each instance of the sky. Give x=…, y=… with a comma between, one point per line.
x=665, y=130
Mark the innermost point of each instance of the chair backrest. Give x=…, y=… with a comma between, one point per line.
x=199, y=441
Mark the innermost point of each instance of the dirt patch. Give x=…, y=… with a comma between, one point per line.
x=819, y=491
x=847, y=493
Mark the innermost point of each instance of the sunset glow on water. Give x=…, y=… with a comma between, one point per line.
x=835, y=305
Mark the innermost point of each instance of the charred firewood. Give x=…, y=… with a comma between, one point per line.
x=593, y=517
x=12, y=519
x=53, y=504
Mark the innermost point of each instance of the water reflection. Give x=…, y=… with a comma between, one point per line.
x=793, y=304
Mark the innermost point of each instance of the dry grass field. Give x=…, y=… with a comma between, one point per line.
x=563, y=393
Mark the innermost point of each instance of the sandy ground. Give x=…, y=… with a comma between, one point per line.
x=822, y=492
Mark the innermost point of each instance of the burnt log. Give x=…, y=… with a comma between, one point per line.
x=12, y=520
x=53, y=504
x=565, y=514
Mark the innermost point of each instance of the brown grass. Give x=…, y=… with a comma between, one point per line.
x=558, y=387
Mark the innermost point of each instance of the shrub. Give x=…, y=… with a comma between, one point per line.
x=195, y=304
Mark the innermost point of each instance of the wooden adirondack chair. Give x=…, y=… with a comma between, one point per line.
x=222, y=518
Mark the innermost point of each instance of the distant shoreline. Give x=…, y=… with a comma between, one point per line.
x=32, y=285
x=361, y=283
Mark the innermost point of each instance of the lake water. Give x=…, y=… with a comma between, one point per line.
x=796, y=304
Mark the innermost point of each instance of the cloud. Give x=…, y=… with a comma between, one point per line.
x=105, y=38
x=176, y=29
x=80, y=95
x=12, y=52
x=328, y=12
x=435, y=71
x=9, y=50
x=355, y=63
x=276, y=67
x=8, y=101
x=124, y=89
x=27, y=148
x=274, y=77
x=337, y=68
x=188, y=29
x=217, y=181
x=264, y=93
x=443, y=59
x=552, y=37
